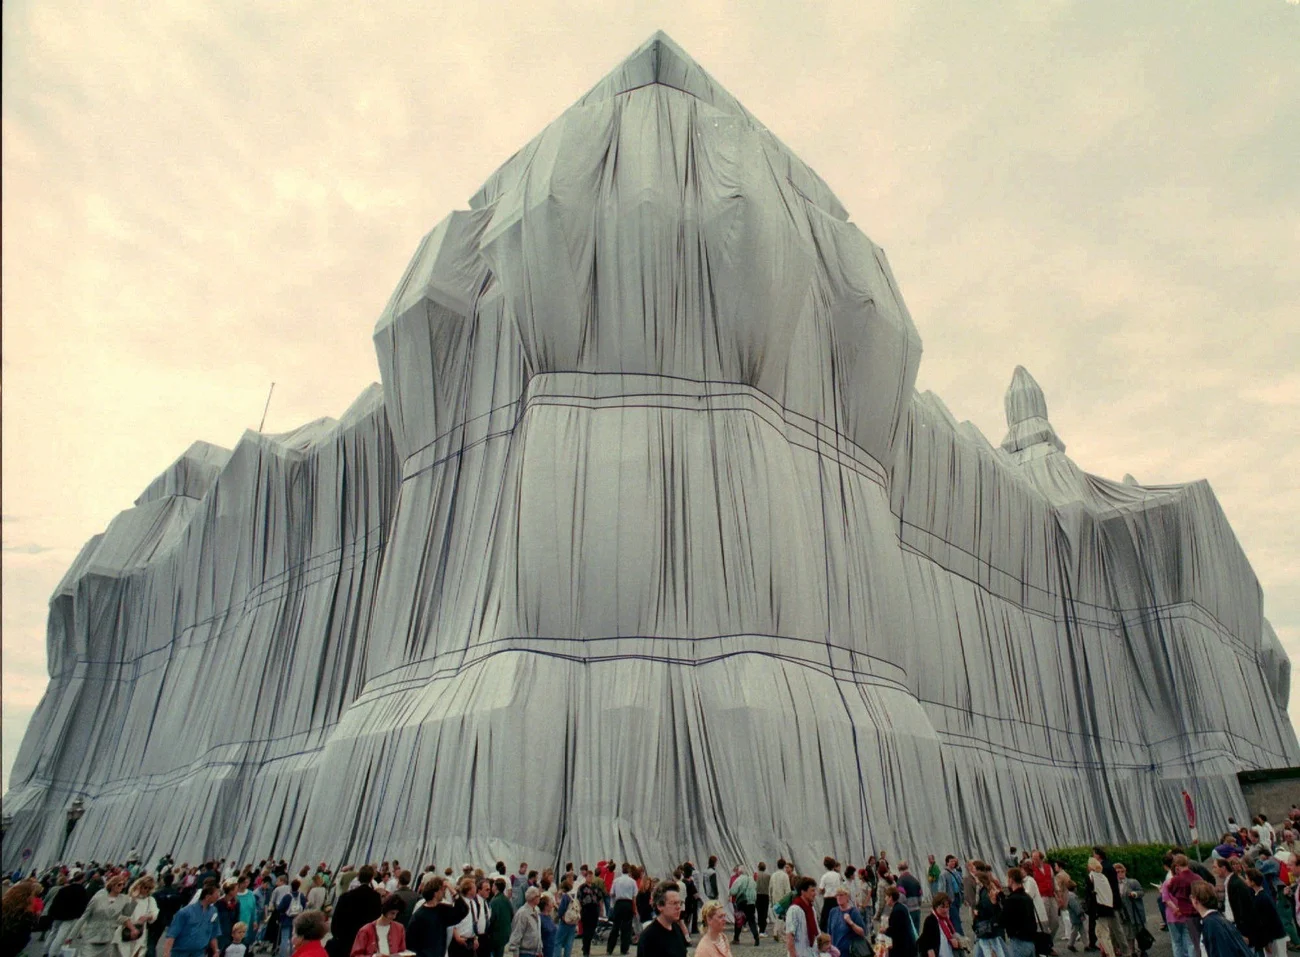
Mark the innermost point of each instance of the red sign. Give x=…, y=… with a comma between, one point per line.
x=1190, y=808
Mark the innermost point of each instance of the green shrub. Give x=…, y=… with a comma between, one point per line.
x=1144, y=861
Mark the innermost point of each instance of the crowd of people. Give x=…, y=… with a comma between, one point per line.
x=1241, y=902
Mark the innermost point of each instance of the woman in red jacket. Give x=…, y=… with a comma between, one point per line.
x=383, y=936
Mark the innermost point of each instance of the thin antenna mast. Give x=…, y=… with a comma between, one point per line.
x=267, y=406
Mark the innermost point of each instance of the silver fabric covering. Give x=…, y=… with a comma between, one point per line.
x=648, y=548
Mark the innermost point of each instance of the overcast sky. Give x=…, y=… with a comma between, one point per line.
x=202, y=198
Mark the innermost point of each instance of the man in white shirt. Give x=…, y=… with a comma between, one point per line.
x=467, y=930
x=830, y=885
x=623, y=891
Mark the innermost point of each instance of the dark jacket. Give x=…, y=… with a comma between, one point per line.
x=931, y=934
x=1018, y=915
x=70, y=902
x=987, y=922
x=1242, y=901
x=1265, y=924
x=901, y=931
x=352, y=911
x=1221, y=938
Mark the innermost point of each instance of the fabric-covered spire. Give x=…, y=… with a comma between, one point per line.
x=1027, y=424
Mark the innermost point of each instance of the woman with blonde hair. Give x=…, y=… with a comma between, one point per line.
x=142, y=912
x=100, y=928
x=713, y=941
x=1104, y=899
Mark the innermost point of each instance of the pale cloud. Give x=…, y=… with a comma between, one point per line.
x=201, y=199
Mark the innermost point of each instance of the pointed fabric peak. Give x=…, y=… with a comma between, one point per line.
x=661, y=61
x=1026, y=408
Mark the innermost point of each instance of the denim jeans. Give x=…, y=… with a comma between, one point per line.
x=954, y=914
x=1020, y=948
x=1180, y=938
x=990, y=947
x=564, y=939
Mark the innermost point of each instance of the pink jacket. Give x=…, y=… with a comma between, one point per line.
x=367, y=940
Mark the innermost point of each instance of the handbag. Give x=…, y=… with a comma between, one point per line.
x=1042, y=942
x=1145, y=940
x=861, y=947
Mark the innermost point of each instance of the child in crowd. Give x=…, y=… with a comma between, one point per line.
x=236, y=946
x=1075, y=909
x=824, y=946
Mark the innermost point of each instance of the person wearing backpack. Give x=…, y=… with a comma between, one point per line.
x=567, y=913
x=291, y=905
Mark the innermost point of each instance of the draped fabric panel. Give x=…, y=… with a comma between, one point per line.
x=647, y=548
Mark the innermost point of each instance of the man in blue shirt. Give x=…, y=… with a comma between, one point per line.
x=193, y=931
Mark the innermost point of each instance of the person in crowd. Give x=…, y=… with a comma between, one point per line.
x=409, y=896
x=106, y=915
x=744, y=894
x=713, y=939
x=1075, y=913
x=939, y=935
x=193, y=931
x=690, y=897
x=169, y=899
x=431, y=920
x=526, y=927
x=567, y=916
x=624, y=891
x=501, y=914
x=763, y=897
x=801, y=926
x=290, y=906
x=309, y=929
x=65, y=909
x=248, y=909
x=986, y=915
x=1180, y=914
x=898, y=924
x=1103, y=909
x=471, y=915
x=591, y=896
x=141, y=914
x=779, y=889
x=665, y=936
x=546, y=912
x=1267, y=935
x=710, y=879
x=1218, y=936
x=830, y=882
x=909, y=888
x=353, y=910
x=385, y=934
x=18, y=917
x=1040, y=872
x=228, y=915
x=1019, y=916
x=950, y=884
x=237, y=947
x=970, y=889
x=846, y=923
x=1130, y=909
